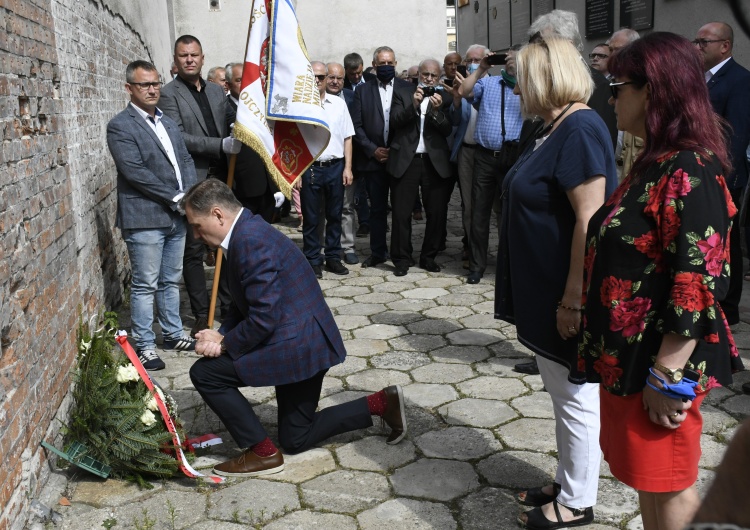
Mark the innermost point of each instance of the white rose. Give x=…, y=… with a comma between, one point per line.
x=127, y=373
x=151, y=403
x=148, y=418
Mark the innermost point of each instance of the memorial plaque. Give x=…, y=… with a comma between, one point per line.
x=541, y=7
x=600, y=18
x=637, y=14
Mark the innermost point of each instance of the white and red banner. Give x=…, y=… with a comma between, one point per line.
x=279, y=113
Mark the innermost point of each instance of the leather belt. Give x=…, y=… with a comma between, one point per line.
x=489, y=151
x=421, y=155
x=327, y=163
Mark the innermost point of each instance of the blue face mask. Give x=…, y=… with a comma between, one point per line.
x=472, y=67
x=385, y=73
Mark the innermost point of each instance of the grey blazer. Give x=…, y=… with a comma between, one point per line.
x=146, y=181
x=178, y=103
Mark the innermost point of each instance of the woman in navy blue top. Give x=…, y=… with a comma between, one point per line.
x=548, y=198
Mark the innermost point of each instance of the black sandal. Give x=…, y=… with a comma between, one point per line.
x=536, y=497
x=536, y=520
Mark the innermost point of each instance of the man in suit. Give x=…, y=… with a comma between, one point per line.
x=280, y=332
x=729, y=91
x=419, y=157
x=353, y=66
x=153, y=170
x=252, y=184
x=371, y=116
x=199, y=108
x=335, y=87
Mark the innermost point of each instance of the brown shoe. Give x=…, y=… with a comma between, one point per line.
x=248, y=464
x=201, y=323
x=394, y=415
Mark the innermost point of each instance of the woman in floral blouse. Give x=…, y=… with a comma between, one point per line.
x=656, y=265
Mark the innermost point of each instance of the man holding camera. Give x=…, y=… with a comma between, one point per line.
x=496, y=150
x=419, y=157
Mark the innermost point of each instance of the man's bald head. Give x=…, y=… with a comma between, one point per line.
x=714, y=40
x=335, y=79
x=622, y=38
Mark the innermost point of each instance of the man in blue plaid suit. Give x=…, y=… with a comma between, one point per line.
x=279, y=332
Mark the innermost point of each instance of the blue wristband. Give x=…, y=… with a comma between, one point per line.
x=681, y=390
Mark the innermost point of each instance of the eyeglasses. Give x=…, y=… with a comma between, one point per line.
x=614, y=87
x=598, y=56
x=702, y=43
x=321, y=77
x=156, y=85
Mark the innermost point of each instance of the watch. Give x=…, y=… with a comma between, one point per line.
x=222, y=346
x=675, y=375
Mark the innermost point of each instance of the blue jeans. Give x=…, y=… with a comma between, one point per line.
x=156, y=264
x=322, y=183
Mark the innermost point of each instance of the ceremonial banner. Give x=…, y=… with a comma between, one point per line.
x=279, y=113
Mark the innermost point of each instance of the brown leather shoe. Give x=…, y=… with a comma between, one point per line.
x=394, y=415
x=248, y=464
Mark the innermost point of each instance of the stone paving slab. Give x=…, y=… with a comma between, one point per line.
x=478, y=432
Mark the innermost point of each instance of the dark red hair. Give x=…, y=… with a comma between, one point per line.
x=679, y=115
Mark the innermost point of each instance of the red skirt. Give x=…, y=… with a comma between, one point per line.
x=644, y=455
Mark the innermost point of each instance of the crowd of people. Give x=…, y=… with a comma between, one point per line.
x=619, y=260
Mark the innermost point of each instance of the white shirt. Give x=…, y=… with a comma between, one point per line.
x=471, y=127
x=225, y=242
x=422, y=112
x=386, y=96
x=340, y=125
x=712, y=72
x=161, y=134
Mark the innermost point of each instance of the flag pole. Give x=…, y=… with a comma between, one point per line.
x=230, y=182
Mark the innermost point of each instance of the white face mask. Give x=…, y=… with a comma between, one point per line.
x=472, y=67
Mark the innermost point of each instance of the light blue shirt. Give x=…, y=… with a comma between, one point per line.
x=488, y=94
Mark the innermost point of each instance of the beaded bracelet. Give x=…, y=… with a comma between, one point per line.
x=569, y=308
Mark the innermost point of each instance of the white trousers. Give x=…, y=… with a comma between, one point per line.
x=347, y=220
x=576, y=410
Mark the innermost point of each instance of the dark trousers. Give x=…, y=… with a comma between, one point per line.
x=487, y=180
x=263, y=205
x=731, y=302
x=300, y=427
x=377, y=189
x=194, y=276
x=361, y=202
x=420, y=173
x=322, y=185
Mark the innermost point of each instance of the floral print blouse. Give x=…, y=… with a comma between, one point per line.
x=657, y=262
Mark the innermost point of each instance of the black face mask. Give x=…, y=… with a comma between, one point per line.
x=385, y=73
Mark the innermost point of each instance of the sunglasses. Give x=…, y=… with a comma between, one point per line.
x=614, y=87
x=598, y=56
x=321, y=77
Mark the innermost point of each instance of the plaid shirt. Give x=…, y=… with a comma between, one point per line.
x=487, y=96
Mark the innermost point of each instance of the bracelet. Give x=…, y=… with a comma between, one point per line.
x=569, y=308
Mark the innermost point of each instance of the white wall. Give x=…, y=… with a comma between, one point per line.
x=415, y=29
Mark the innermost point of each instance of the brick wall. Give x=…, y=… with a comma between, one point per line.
x=61, y=79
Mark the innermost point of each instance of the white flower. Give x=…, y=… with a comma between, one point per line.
x=86, y=346
x=148, y=418
x=151, y=403
x=127, y=373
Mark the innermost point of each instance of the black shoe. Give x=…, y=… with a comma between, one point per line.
x=335, y=266
x=474, y=277
x=350, y=258
x=363, y=231
x=536, y=520
x=429, y=264
x=401, y=271
x=530, y=368
x=412, y=262
x=318, y=270
x=181, y=344
x=201, y=323
x=150, y=360
x=536, y=497
x=372, y=261
x=746, y=387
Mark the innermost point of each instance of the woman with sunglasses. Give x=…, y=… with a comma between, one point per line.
x=654, y=334
x=548, y=197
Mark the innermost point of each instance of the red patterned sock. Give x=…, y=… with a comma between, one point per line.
x=376, y=403
x=264, y=448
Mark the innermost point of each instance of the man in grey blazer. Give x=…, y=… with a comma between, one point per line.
x=199, y=110
x=154, y=169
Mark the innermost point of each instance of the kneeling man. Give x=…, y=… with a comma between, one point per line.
x=279, y=332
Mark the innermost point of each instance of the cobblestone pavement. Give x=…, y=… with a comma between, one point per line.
x=478, y=432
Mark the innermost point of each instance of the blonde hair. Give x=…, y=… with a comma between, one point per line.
x=550, y=75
